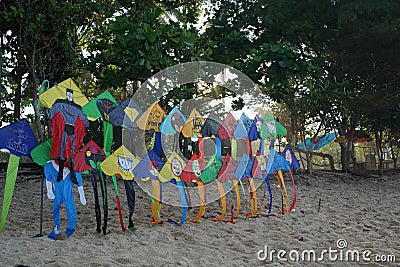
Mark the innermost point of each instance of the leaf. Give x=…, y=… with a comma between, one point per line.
x=258, y=58
x=275, y=48
x=175, y=40
x=282, y=64
x=148, y=65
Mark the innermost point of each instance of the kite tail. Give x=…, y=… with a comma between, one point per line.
x=11, y=176
x=96, y=201
x=184, y=204
x=104, y=195
x=236, y=183
x=155, y=201
x=294, y=193
x=270, y=193
x=282, y=187
x=244, y=194
x=222, y=195
x=202, y=209
x=121, y=221
x=253, y=199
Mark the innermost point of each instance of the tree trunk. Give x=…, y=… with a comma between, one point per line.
x=394, y=156
x=37, y=112
x=344, y=156
x=378, y=143
x=17, y=99
x=349, y=151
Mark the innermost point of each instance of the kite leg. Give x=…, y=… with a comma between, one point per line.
x=202, y=209
x=96, y=201
x=11, y=176
x=70, y=207
x=155, y=203
x=130, y=197
x=57, y=202
x=103, y=186
x=222, y=195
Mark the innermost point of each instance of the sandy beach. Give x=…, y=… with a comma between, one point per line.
x=362, y=213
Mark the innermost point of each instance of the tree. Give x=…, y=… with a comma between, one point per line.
x=141, y=39
x=43, y=38
x=356, y=39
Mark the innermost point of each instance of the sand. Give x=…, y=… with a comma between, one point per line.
x=364, y=212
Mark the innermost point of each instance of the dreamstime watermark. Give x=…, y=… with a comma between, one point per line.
x=340, y=253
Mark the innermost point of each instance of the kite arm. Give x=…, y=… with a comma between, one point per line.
x=49, y=187
x=82, y=195
x=80, y=188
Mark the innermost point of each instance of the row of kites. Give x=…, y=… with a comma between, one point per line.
x=65, y=157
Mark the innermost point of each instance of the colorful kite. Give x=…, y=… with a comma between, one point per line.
x=122, y=162
x=211, y=170
x=271, y=128
x=152, y=118
x=191, y=173
x=255, y=128
x=228, y=127
x=89, y=159
x=288, y=154
x=193, y=125
x=59, y=92
x=132, y=113
x=41, y=153
x=320, y=142
x=105, y=107
x=243, y=127
x=211, y=126
x=149, y=168
x=68, y=123
x=173, y=123
x=17, y=139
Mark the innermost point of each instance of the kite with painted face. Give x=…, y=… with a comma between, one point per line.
x=122, y=162
x=193, y=124
x=173, y=123
x=149, y=168
x=152, y=118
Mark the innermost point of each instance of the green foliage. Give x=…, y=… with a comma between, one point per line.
x=136, y=43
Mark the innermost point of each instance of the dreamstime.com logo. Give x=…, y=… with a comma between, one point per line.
x=338, y=254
